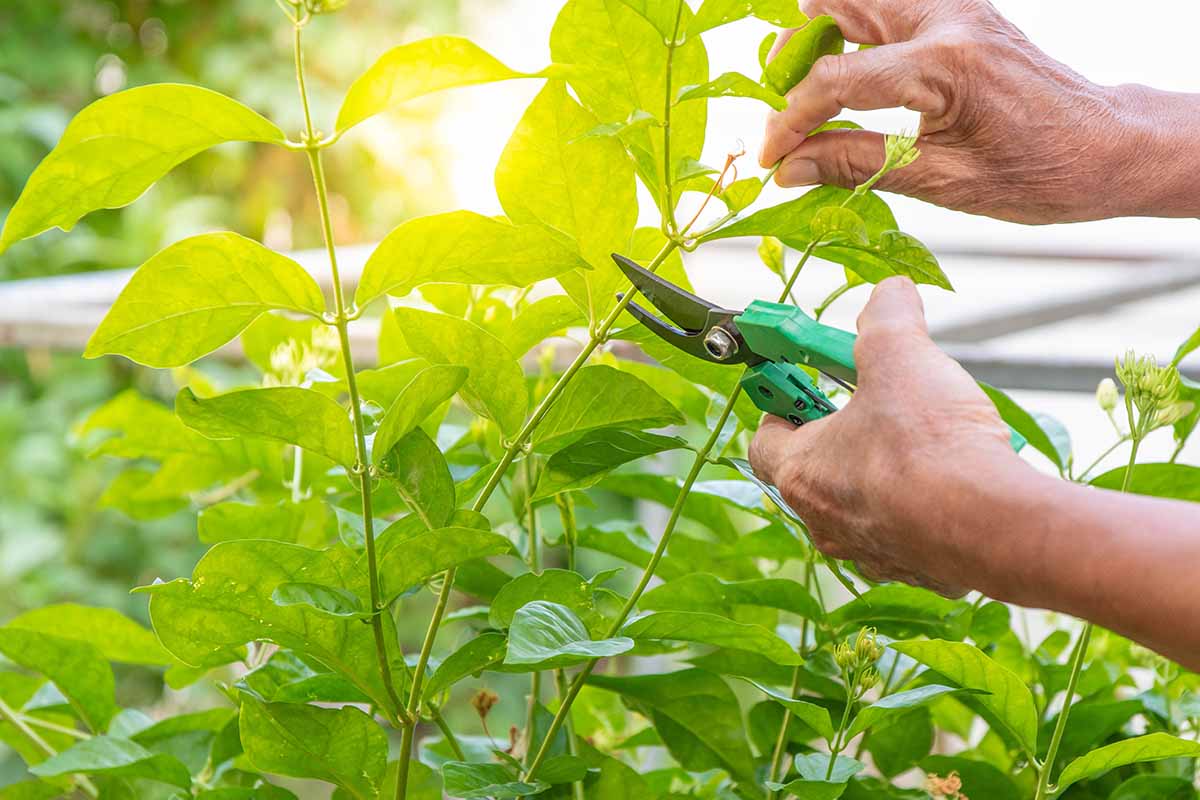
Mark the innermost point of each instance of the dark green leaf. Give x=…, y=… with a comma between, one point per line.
x=704, y=592
x=412, y=560
x=1025, y=424
x=882, y=710
x=484, y=651
x=1151, y=747
x=559, y=585
x=584, y=463
x=813, y=783
x=811, y=714
x=979, y=778
x=702, y=628
x=482, y=781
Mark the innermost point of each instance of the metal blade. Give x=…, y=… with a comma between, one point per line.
x=700, y=328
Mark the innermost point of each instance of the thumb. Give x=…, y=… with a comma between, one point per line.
x=895, y=306
x=848, y=158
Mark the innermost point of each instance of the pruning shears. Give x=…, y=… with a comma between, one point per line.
x=773, y=340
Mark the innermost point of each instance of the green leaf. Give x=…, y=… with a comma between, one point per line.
x=417, y=470
x=1188, y=347
x=119, y=145
x=117, y=758
x=551, y=174
x=413, y=560
x=696, y=714
x=978, y=777
x=732, y=84
x=563, y=768
x=419, y=68
x=300, y=523
x=562, y=586
x=900, y=610
x=549, y=635
x=288, y=414
x=287, y=678
x=811, y=714
x=740, y=194
x=428, y=390
x=77, y=668
x=1152, y=747
x=1149, y=787
x=714, y=13
x=812, y=784
x=196, y=295
x=890, y=705
x=331, y=600
x=483, y=651
x=115, y=636
x=482, y=781
x=30, y=790
x=662, y=14
x=1174, y=481
x=540, y=320
x=228, y=602
x=791, y=222
x=703, y=592
x=621, y=67
x=1025, y=424
x=602, y=397
x=820, y=37
x=637, y=119
x=837, y=225
x=584, y=463
x=341, y=746
x=893, y=253
x=495, y=387
x=462, y=247
x=703, y=628
x=1007, y=697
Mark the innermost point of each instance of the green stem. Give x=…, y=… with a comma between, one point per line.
x=17, y=720
x=341, y=322
x=1128, y=479
x=566, y=514
x=535, y=678
x=435, y=714
x=1083, y=475
x=837, y=744
x=560, y=681
x=668, y=200
x=648, y=573
x=1077, y=656
x=777, y=756
x=820, y=310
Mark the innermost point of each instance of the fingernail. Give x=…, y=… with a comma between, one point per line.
x=799, y=172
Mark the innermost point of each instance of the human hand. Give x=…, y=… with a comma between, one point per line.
x=885, y=480
x=1006, y=131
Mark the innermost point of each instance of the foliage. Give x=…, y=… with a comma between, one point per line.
x=336, y=499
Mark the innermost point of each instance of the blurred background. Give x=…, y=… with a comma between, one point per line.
x=1045, y=308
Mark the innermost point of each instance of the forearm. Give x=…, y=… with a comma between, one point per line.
x=1125, y=562
x=1155, y=148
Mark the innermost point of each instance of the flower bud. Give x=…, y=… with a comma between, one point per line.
x=845, y=656
x=1171, y=414
x=900, y=151
x=1107, y=395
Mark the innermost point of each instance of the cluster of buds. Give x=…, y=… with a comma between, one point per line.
x=900, y=150
x=291, y=361
x=947, y=788
x=857, y=661
x=1153, y=391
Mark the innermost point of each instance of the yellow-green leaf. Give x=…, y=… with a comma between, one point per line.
x=1152, y=747
x=121, y=144
x=430, y=388
x=462, y=247
x=419, y=68
x=115, y=636
x=820, y=37
x=703, y=628
x=198, y=294
x=732, y=84
x=714, y=13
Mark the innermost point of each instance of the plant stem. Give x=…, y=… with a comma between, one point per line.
x=341, y=322
x=435, y=714
x=566, y=514
x=1083, y=475
x=560, y=681
x=535, y=678
x=18, y=721
x=668, y=199
x=781, y=741
x=1077, y=657
x=648, y=573
x=820, y=310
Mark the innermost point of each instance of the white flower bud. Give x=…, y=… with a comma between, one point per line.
x=1107, y=394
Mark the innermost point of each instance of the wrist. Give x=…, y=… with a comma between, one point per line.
x=1152, y=150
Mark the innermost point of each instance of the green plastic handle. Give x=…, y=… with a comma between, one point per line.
x=790, y=340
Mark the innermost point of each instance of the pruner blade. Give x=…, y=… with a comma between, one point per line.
x=696, y=326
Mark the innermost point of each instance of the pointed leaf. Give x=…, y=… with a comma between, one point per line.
x=540, y=320
x=562, y=586
x=495, y=387
x=462, y=247
x=300, y=523
x=341, y=746
x=602, y=397
x=419, y=68
x=714, y=13
x=117, y=758
x=1152, y=747
x=421, y=397
x=417, y=470
x=1025, y=424
x=702, y=628
x=288, y=414
x=1007, y=697
x=732, y=84
x=115, y=636
x=812, y=784
x=495, y=781
x=411, y=561
x=549, y=635
x=811, y=714
x=704, y=592
x=1174, y=481
x=584, y=463
x=118, y=146
x=483, y=651
x=76, y=667
x=331, y=600
x=888, y=706
x=196, y=295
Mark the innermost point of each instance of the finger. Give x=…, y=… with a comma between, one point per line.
x=895, y=305
x=862, y=21
x=882, y=77
x=847, y=158
x=770, y=446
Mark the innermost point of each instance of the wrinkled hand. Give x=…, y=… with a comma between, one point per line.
x=874, y=481
x=1005, y=130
